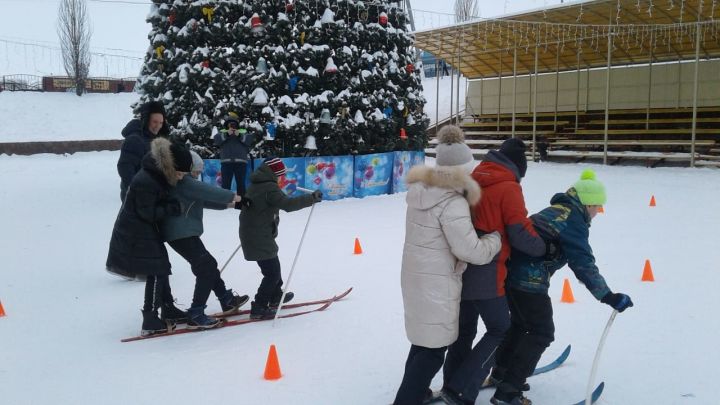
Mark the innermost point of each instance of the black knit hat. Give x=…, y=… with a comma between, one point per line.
x=181, y=157
x=514, y=149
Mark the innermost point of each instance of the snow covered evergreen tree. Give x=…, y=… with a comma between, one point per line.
x=327, y=77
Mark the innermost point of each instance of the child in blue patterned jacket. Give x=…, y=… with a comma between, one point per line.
x=565, y=227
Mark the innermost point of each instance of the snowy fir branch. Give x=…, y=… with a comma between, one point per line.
x=340, y=71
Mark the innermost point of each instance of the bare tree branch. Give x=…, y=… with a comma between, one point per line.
x=74, y=32
x=466, y=10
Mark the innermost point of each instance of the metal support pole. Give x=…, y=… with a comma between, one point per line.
x=457, y=90
x=499, y=92
x=514, y=94
x=650, y=83
x=587, y=89
x=577, y=92
x=607, y=89
x=557, y=85
x=452, y=91
x=695, y=87
x=437, y=94
x=534, y=109
x=679, y=84
x=482, y=100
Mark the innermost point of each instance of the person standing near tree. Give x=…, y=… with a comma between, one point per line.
x=136, y=245
x=259, y=222
x=439, y=242
x=183, y=234
x=138, y=134
x=234, y=143
x=565, y=227
x=502, y=209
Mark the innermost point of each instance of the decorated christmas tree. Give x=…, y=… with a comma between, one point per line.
x=329, y=77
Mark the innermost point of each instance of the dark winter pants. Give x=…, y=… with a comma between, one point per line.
x=204, y=267
x=421, y=366
x=531, y=332
x=228, y=170
x=157, y=292
x=271, y=285
x=466, y=367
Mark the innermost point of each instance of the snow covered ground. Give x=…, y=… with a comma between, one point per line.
x=60, y=341
x=32, y=117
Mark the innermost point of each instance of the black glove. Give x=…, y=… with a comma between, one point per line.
x=173, y=208
x=244, y=203
x=618, y=301
x=316, y=196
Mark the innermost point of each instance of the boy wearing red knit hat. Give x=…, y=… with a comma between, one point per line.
x=259, y=222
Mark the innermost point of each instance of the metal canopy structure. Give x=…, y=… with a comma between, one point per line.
x=576, y=34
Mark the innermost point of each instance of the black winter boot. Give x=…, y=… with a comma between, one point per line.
x=198, y=319
x=498, y=374
x=169, y=312
x=259, y=311
x=508, y=394
x=152, y=324
x=230, y=301
x=276, y=301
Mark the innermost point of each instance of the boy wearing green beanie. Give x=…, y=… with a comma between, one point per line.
x=565, y=228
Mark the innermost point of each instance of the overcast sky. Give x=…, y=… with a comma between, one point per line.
x=121, y=24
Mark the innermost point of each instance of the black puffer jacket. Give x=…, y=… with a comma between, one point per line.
x=137, y=143
x=136, y=246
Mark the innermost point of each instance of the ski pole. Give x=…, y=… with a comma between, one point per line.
x=292, y=268
x=230, y=258
x=588, y=393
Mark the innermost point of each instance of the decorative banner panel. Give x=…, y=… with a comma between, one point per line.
x=333, y=175
x=372, y=174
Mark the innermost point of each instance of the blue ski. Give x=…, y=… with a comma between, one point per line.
x=555, y=364
x=595, y=395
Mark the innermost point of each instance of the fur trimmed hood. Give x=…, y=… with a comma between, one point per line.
x=164, y=161
x=447, y=180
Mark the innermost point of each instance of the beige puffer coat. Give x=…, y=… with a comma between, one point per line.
x=439, y=242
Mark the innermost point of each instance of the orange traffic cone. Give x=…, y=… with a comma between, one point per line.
x=272, y=366
x=601, y=210
x=567, y=294
x=358, y=249
x=647, y=272
x=2, y=310
x=652, y=201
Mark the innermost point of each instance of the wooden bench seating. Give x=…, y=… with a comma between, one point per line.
x=654, y=121
x=671, y=131
x=633, y=142
x=508, y=124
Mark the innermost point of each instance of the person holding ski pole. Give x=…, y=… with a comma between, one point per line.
x=439, y=242
x=259, y=221
x=183, y=234
x=565, y=227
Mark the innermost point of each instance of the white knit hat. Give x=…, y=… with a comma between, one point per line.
x=451, y=149
x=198, y=165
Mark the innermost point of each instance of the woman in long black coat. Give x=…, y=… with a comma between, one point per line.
x=136, y=245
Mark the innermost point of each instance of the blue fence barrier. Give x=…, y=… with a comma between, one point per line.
x=337, y=176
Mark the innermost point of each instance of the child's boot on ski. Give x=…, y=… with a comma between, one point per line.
x=152, y=324
x=230, y=301
x=498, y=374
x=169, y=312
x=276, y=300
x=198, y=319
x=261, y=311
x=508, y=394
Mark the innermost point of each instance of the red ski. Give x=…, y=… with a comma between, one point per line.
x=286, y=306
x=235, y=322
